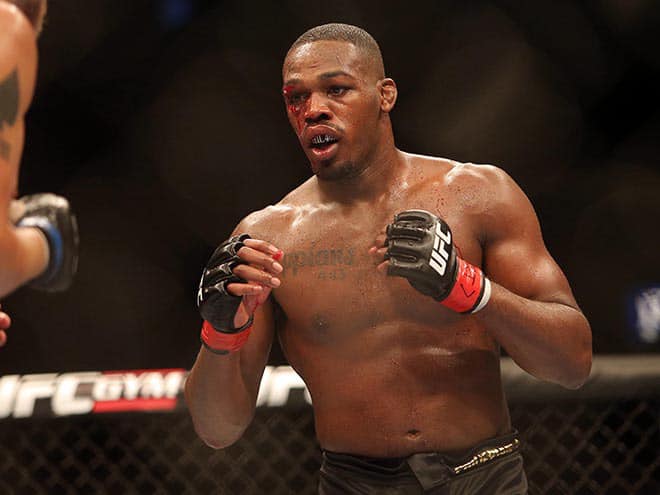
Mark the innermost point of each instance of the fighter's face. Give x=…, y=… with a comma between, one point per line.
x=333, y=104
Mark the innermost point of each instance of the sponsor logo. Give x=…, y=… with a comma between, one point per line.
x=281, y=386
x=156, y=390
x=64, y=394
x=439, y=253
x=200, y=295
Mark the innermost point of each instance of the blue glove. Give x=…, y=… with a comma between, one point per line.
x=52, y=215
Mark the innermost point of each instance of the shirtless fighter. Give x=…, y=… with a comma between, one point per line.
x=392, y=281
x=38, y=234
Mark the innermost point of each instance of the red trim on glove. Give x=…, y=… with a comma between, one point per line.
x=220, y=341
x=468, y=289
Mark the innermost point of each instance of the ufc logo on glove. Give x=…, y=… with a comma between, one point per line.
x=439, y=255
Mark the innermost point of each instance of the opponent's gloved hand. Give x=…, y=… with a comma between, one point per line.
x=216, y=305
x=420, y=249
x=53, y=216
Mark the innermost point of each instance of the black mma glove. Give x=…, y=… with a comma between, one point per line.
x=52, y=215
x=217, y=306
x=420, y=249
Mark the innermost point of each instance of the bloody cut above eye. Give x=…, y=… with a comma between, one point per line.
x=286, y=90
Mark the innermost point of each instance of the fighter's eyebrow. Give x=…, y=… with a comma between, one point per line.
x=290, y=82
x=326, y=75
x=330, y=75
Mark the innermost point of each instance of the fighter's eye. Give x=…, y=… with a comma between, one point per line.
x=337, y=90
x=295, y=99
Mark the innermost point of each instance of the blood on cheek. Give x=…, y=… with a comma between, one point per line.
x=297, y=110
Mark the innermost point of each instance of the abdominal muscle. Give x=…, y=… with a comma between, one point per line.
x=395, y=390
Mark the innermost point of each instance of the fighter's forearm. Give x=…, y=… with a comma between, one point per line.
x=220, y=404
x=549, y=340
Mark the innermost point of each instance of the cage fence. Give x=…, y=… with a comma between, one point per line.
x=601, y=439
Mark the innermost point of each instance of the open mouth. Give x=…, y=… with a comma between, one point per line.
x=323, y=141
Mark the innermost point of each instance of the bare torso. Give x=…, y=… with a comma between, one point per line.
x=390, y=371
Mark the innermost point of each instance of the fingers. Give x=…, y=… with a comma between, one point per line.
x=378, y=251
x=5, y=323
x=391, y=254
x=260, y=269
x=261, y=254
x=381, y=240
x=252, y=270
x=5, y=320
x=406, y=230
x=255, y=275
x=245, y=289
x=263, y=246
x=383, y=267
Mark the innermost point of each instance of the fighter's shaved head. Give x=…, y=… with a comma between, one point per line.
x=350, y=34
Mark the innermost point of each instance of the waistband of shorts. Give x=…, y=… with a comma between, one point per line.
x=483, y=452
x=457, y=462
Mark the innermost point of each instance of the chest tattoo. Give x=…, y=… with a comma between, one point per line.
x=332, y=258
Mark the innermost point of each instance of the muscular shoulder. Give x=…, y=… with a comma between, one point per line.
x=289, y=210
x=18, y=52
x=273, y=218
x=499, y=203
x=293, y=210
x=264, y=221
x=485, y=194
x=477, y=186
x=491, y=182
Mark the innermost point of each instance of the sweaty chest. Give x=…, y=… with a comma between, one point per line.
x=330, y=282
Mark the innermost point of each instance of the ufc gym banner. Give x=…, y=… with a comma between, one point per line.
x=97, y=392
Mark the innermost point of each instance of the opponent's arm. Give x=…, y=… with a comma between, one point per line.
x=38, y=233
x=23, y=252
x=237, y=334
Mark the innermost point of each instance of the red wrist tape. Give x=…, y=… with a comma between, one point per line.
x=220, y=341
x=471, y=290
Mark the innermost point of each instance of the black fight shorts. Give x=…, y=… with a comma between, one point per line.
x=493, y=467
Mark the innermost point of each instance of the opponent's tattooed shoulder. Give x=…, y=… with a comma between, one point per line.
x=9, y=99
x=8, y=108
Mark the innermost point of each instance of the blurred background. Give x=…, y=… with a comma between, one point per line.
x=162, y=121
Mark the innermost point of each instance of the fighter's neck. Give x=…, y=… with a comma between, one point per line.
x=378, y=178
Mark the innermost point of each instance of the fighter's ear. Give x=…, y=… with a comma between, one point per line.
x=388, y=94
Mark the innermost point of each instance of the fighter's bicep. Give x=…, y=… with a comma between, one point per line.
x=528, y=270
x=515, y=255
